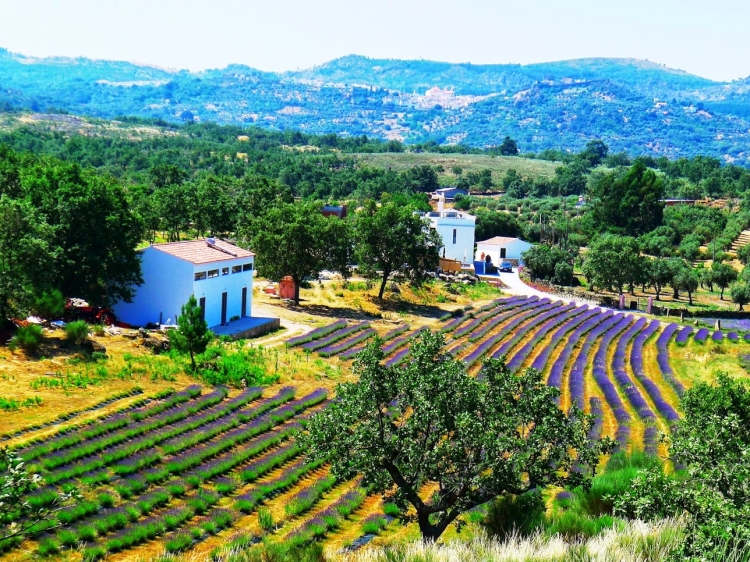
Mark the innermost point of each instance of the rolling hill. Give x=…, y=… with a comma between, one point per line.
x=633, y=105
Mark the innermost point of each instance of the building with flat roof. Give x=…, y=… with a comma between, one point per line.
x=456, y=228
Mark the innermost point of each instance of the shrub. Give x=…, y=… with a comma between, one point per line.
x=237, y=367
x=77, y=332
x=512, y=515
x=27, y=338
x=50, y=305
x=98, y=330
x=265, y=519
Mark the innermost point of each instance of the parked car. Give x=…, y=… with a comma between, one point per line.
x=506, y=266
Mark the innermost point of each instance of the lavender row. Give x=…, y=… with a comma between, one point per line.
x=209, y=426
x=595, y=433
x=316, y=334
x=327, y=519
x=582, y=359
x=522, y=354
x=636, y=363
x=717, y=336
x=402, y=341
x=118, y=421
x=501, y=309
x=591, y=320
x=398, y=357
x=490, y=342
x=662, y=357
x=701, y=335
x=346, y=344
x=514, y=308
x=604, y=382
x=388, y=336
x=560, y=335
x=733, y=337
x=650, y=440
x=624, y=381
x=248, y=501
x=682, y=336
x=335, y=336
x=553, y=312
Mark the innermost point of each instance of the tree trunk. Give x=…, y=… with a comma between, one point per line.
x=676, y=294
x=658, y=291
x=296, y=290
x=721, y=294
x=690, y=298
x=386, y=274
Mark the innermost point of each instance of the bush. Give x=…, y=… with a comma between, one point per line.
x=511, y=515
x=77, y=332
x=27, y=338
x=238, y=366
x=50, y=305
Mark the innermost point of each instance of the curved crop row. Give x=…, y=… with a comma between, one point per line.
x=525, y=330
x=335, y=349
x=517, y=307
x=501, y=309
x=388, y=336
x=316, y=334
x=662, y=357
x=335, y=336
x=622, y=378
x=636, y=363
x=521, y=355
x=582, y=358
x=541, y=360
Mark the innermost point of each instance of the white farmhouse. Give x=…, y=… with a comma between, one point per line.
x=457, y=231
x=500, y=248
x=218, y=273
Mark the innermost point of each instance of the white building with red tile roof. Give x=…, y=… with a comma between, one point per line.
x=218, y=273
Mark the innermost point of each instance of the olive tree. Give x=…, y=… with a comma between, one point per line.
x=428, y=424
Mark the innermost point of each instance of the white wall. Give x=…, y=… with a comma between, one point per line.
x=464, y=245
x=168, y=283
x=231, y=284
x=513, y=251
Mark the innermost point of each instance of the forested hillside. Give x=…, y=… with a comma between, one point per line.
x=633, y=105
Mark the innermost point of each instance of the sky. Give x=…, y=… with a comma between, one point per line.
x=709, y=39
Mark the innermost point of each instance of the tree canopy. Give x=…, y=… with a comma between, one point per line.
x=390, y=239
x=470, y=439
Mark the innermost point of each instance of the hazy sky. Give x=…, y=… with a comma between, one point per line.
x=710, y=39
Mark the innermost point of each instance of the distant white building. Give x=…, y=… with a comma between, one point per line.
x=218, y=273
x=457, y=231
x=500, y=248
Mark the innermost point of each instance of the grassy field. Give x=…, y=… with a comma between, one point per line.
x=468, y=162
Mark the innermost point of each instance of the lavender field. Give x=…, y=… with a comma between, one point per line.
x=616, y=366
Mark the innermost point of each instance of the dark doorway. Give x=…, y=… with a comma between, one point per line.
x=202, y=303
x=223, y=308
x=243, y=310
x=502, y=253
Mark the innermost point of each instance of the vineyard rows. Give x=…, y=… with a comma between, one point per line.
x=595, y=357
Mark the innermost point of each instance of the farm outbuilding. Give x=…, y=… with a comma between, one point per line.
x=500, y=248
x=218, y=273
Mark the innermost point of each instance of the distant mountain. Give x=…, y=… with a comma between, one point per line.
x=633, y=105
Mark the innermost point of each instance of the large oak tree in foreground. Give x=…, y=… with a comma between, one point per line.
x=429, y=425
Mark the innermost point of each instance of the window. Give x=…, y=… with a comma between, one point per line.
x=225, y=271
x=247, y=267
x=213, y=273
x=454, y=235
x=200, y=276
x=236, y=268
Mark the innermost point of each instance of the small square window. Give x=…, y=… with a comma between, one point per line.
x=213, y=273
x=247, y=267
x=200, y=276
x=225, y=271
x=236, y=268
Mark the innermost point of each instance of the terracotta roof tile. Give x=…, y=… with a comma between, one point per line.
x=199, y=251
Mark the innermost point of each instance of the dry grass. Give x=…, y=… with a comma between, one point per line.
x=498, y=165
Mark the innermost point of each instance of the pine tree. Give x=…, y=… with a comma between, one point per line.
x=192, y=334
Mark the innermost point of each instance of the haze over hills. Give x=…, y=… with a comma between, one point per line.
x=633, y=105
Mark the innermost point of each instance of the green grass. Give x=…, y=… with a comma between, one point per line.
x=498, y=165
